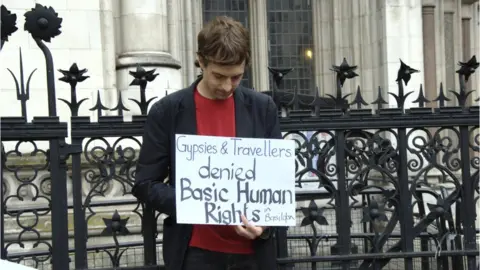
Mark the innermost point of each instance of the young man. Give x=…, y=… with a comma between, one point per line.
x=215, y=105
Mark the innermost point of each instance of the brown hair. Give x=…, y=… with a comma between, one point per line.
x=223, y=41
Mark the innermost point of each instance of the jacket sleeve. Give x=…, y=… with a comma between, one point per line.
x=154, y=161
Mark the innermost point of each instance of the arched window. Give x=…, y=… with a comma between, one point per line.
x=238, y=10
x=290, y=42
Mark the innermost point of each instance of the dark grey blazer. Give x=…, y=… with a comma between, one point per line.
x=256, y=117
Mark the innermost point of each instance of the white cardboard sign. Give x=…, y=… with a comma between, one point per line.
x=218, y=179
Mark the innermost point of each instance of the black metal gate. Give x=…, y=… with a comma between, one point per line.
x=380, y=188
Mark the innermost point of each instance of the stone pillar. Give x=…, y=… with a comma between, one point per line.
x=353, y=30
x=404, y=41
x=197, y=24
x=450, y=63
x=323, y=46
x=189, y=15
x=466, y=51
x=174, y=28
x=108, y=56
x=189, y=41
x=429, y=52
x=317, y=45
x=144, y=40
x=475, y=36
x=259, y=46
x=440, y=48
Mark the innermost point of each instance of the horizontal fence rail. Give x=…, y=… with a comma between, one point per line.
x=378, y=187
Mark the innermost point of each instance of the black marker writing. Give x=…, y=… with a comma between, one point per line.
x=224, y=149
x=263, y=196
x=279, y=217
x=193, y=149
x=217, y=214
x=266, y=151
x=232, y=173
x=201, y=194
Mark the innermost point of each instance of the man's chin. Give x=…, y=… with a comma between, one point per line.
x=223, y=96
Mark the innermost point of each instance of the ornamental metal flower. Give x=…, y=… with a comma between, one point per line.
x=43, y=23
x=382, y=150
x=374, y=212
x=142, y=76
x=468, y=68
x=9, y=22
x=440, y=209
x=312, y=213
x=73, y=75
x=344, y=71
x=115, y=225
x=279, y=74
x=405, y=72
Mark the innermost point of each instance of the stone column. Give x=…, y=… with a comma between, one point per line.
x=189, y=39
x=144, y=40
x=174, y=28
x=191, y=21
x=429, y=52
x=475, y=36
x=401, y=40
x=466, y=51
x=323, y=44
x=108, y=43
x=450, y=63
x=259, y=46
x=317, y=45
x=440, y=41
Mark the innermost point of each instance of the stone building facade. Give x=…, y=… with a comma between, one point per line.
x=110, y=38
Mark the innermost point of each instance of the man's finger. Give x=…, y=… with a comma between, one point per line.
x=247, y=224
x=245, y=221
x=254, y=230
x=244, y=232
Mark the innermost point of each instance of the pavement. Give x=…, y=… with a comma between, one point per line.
x=6, y=265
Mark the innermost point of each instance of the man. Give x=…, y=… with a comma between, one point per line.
x=215, y=105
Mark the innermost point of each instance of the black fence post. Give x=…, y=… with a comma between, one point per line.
x=342, y=207
x=3, y=253
x=8, y=24
x=282, y=246
x=73, y=76
x=43, y=24
x=406, y=207
x=470, y=182
x=149, y=232
x=79, y=219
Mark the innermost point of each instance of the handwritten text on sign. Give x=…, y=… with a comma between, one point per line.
x=220, y=178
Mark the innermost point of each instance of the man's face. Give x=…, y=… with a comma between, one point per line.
x=219, y=81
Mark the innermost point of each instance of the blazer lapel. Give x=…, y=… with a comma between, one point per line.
x=243, y=119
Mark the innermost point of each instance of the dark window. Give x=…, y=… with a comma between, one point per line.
x=238, y=10
x=290, y=37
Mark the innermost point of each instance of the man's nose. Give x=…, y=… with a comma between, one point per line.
x=227, y=86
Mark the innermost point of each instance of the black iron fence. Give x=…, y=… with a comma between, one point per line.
x=378, y=188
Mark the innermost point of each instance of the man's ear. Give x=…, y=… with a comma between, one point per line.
x=199, y=63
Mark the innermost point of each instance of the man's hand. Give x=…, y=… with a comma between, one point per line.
x=248, y=230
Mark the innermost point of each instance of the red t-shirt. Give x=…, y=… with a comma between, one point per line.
x=217, y=118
